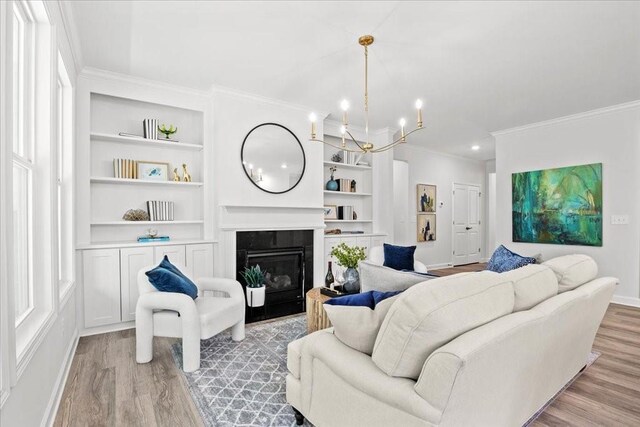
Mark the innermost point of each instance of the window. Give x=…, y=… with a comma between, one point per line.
x=64, y=145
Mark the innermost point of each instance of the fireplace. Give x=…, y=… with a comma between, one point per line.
x=287, y=258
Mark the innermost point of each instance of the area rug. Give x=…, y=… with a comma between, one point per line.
x=243, y=383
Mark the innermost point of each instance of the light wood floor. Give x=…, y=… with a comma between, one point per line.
x=467, y=268
x=106, y=387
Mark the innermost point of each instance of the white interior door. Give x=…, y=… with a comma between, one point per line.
x=466, y=224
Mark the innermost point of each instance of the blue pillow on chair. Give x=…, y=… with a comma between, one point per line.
x=504, y=260
x=169, y=278
x=399, y=257
x=366, y=299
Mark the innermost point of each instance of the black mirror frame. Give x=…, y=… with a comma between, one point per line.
x=304, y=158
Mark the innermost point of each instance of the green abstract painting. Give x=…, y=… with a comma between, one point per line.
x=560, y=206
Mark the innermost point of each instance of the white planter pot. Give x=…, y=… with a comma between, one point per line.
x=255, y=296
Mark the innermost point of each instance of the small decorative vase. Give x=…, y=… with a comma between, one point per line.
x=255, y=296
x=351, y=280
x=332, y=184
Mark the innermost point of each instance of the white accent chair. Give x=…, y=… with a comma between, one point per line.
x=176, y=315
x=376, y=256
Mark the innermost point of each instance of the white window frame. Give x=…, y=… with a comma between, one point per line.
x=40, y=158
x=64, y=182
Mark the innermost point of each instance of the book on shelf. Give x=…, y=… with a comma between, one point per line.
x=345, y=212
x=150, y=128
x=351, y=158
x=125, y=168
x=352, y=232
x=160, y=210
x=148, y=239
x=346, y=185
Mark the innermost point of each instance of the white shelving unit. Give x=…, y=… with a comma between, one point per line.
x=111, y=180
x=97, y=136
x=135, y=223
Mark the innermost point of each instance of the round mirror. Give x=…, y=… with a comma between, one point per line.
x=273, y=158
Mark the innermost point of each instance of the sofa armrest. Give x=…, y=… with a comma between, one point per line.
x=229, y=286
x=379, y=278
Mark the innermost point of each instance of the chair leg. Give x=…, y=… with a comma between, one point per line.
x=237, y=331
x=144, y=335
x=190, y=353
x=299, y=416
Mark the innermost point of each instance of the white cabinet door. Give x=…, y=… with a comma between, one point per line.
x=176, y=254
x=101, y=279
x=200, y=260
x=131, y=261
x=377, y=241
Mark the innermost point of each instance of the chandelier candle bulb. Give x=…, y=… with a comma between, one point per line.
x=419, y=107
x=345, y=106
x=402, y=123
x=312, y=119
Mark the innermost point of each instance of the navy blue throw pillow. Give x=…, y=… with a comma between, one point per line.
x=505, y=260
x=171, y=280
x=166, y=264
x=366, y=299
x=399, y=257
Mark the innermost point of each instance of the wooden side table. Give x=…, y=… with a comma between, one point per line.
x=316, y=316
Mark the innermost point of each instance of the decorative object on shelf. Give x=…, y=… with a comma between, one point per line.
x=125, y=168
x=147, y=239
x=426, y=198
x=337, y=158
x=150, y=128
x=349, y=257
x=561, y=206
x=176, y=177
x=135, y=215
x=278, y=156
x=186, y=177
x=151, y=232
x=333, y=231
x=426, y=227
x=255, y=287
x=159, y=210
x=330, y=212
x=355, y=215
x=153, y=171
x=332, y=184
x=367, y=146
x=345, y=212
x=353, y=186
x=167, y=131
x=329, y=279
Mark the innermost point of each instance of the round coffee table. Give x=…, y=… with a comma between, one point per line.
x=316, y=316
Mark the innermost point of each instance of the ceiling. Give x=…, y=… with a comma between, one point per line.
x=478, y=66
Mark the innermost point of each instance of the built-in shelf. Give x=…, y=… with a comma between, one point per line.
x=342, y=235
x=122, y=222
x=110, y=180
x=144, y=141
x=347, y=166
x=130, y=244
x=346, y=193
x=354, y=221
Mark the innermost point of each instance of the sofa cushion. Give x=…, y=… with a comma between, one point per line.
x=399, y=257
x=572, y=270
x=358, y=326
x=505, y=260
x=364, y=299
x=532, y=284
x=428, y=315
x=385, y=279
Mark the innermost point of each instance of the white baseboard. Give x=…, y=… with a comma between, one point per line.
x=437, y=266
x=107, y=328
x=61, y=381
x=630, y=301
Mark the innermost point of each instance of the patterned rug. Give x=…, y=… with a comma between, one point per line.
x=243, y=383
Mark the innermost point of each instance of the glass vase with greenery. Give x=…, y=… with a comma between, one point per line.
x=349, y=257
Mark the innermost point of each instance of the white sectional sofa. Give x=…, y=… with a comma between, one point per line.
x=476, y=349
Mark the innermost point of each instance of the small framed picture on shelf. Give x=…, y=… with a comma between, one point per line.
x=153, y=171
x=330, y=212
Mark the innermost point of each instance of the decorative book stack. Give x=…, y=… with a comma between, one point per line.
x=148, y=239
x=150, y=128
x=351, y=158
x=346, y=185
x=125, y=168
x=159, y=210
x=345, y=212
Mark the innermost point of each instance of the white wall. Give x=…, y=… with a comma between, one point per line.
x=610, y=136
x=428, y=167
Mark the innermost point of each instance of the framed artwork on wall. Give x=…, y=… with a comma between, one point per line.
x=426, y=198
x=153, y=171
x=561, y=206
x=426, y=228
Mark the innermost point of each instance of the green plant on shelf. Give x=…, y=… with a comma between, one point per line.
x=348, y=256
x=254, y=276
x=167, y=131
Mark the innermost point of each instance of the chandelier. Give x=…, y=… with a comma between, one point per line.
x=367, y=146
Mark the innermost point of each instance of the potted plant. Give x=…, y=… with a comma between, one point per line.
x=254, y=278
x=349, y=257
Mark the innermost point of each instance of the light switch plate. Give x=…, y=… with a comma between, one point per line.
x=619, y=219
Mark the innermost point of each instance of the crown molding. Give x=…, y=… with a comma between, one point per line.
x=598, y=111
x=71, y=30
x=265, y=99
x=96, y=73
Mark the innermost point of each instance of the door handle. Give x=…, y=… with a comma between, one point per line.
x=468, y=228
